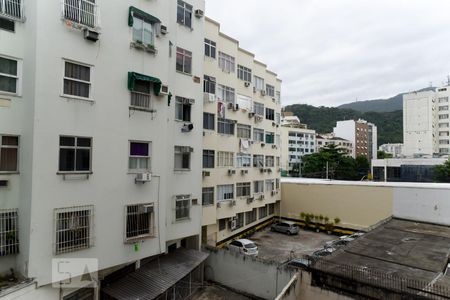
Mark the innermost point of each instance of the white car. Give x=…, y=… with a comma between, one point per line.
x=244, y=246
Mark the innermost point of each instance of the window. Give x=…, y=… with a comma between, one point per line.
x=243, y=160
x=225, y=126
x=208, y=121
x=209, y=84
x=444, y=133
x=6, y=24
x=143, y=32
x=139, y=221
x=183, y=158
x=182, y=207
x=243, y=189
x=277, y=184
x=222, y=224
x=139, y=157
x=259, y=83
x=441, y=117
x=258, y=135
x=140, y=95
x=277, y=118
x=444, y=142
x=277, y=161
x=74, y=228
x=9, y=232
x=226, y=62
x=443, y=108
x=270, y=114
x=184, y=14
x=270, y=137
x=183, y=109
x=9, y=153
x=239, y=220
x=444, y=125
x=210, y=48
x=250, y=216
x=225, y=159
x=10, y=73
x=225, y=192
x=444, y=150
x=443, y=100
x=81, y=12
x=278, y=96
x=225, y=93
x=244, y=131
x=184, y=61
x=270, y=161
x=258, y=186
x=208, y=159
x=258, y=161
x=77, y=80
x=75, y=154
x=262, y=212
x=271, y=208
x=207, y=196
x=278, y=140
x=258, y=108
x=244, y=102
x=270, y=185
x=270, y=90
x=244, y=73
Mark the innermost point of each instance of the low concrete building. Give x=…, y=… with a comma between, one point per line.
x=324, y=140
x=395, y=149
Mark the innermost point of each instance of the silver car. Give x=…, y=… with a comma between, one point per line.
x=285, y=227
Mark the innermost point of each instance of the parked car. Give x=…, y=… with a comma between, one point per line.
x=285, y=227
x=303, y=263
x=323, y=252
x=337, y=243
x=244, y=246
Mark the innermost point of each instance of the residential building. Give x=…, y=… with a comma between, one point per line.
x=296, y=140
x=426, y=129
x=324, y=140
x=396, y=150
x=241, y=142
x=98, y=120
x=362, y=134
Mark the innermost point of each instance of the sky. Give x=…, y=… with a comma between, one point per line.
x=330, y=52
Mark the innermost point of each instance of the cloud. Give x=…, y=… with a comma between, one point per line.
x=329, y=52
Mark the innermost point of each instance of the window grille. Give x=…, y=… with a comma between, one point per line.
x=9, y=232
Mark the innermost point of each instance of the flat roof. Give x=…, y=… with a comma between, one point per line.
x=424, y=185
x=399, y=248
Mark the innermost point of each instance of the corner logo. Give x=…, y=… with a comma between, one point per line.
x=75, y=272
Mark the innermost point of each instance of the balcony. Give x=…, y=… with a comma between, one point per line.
x=83, y=13
x=12, y=9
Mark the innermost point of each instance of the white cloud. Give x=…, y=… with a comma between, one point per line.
x=328, y=52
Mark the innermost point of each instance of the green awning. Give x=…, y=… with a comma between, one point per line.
x=133, y=11
x=133, y=76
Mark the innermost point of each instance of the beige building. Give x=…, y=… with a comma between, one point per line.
x=241, y=139
x=323, y=140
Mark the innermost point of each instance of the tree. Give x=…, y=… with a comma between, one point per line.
x=442, y=172
x=362, y=165
x=383, y=155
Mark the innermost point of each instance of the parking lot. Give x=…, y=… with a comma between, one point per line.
x=280, y=247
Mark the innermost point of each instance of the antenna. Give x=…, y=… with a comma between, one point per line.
x=448, y=80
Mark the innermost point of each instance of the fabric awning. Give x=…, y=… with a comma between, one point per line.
x=133, y=76
x=133, y=11
x=156, y=277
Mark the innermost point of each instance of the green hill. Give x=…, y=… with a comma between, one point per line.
x=323, y=119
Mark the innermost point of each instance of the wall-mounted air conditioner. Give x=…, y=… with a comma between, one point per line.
x=163, y=29
x=250, y=200
x=143, y=177
x=263, y=93
x=233, y=223
x=187, y=127
x=251, y=114
x=244, y=172
x=247, y=84
x=236, y=107
x=231, y=172
x=199, y=13
x=91, y=35
x=164, y=89
x=206, y=173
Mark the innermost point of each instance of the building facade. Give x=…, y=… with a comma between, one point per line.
x=362, y=134
x=241, y=139
x=97, y=122
x=396, y=150
x=324, y=140
x=426, y=123
x=296, y=141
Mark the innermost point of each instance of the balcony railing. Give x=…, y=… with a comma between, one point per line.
x=81, y=12
x=12, y=9
x=140, y=101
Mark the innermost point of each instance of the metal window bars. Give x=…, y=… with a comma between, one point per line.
x=9, y=232
x=73, y=228
x=81, y=12
x=140, y=100
x=12, y=9
x=139, y=222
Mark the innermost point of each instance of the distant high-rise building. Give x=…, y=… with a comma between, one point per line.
x=362, y=134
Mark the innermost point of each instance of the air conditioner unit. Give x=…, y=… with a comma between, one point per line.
x=244, y=172
x=269, y=170
x=273, y=99
x=91, y=35
x=191, y=101
x=231, y=172
x=230, y=105
x=143, y=177
x=273, y=124
x=274, y=146
x=233, y=224
x=261, y=197
x=247, y=84
x=218, y=204
x=262, y=170
x=273, y=193
x=236, y=107
x=164, y=90
x=263, y=93
x=251, y=114
x=233, y=203
x=187, y=128
x=250, y=200
x=206, y=173
x=263, y=144
x=163, y=29
x=199, y=13
x=258, y=118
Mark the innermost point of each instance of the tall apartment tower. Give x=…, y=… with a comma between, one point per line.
x=241, y=139
x=426, y=123
x=98, y=120
x=362, y=135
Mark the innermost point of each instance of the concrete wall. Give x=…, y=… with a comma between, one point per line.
x=246, y=274
x=306, y=291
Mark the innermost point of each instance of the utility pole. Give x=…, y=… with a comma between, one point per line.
x=327, y=171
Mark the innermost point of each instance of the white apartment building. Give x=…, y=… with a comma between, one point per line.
x=241, y=139
x=324, y=140
x=362, y=135
x=99, y=117
x=395, y=149
x=296, y=141
x=426, y=123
